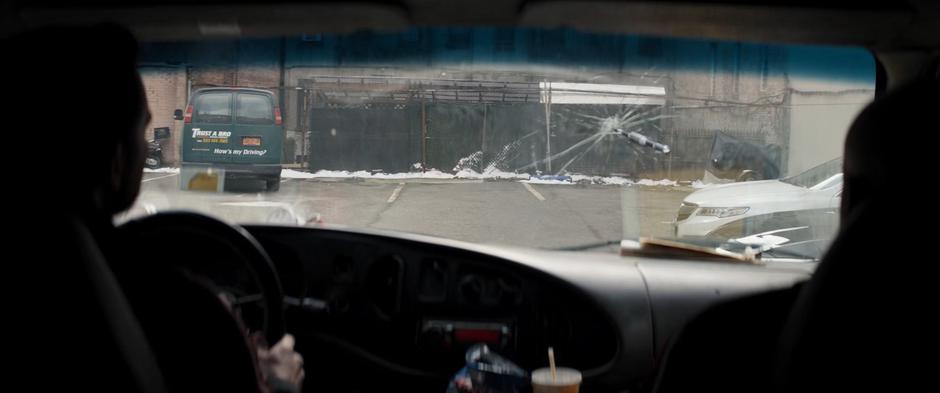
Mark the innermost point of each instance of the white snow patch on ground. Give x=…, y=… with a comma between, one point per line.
x=162, y=170
x=602, y=180
x=663, y=182
x=490, y=174
x=430, y=174
x=607, y=180
x=541, y=181
x=619, y=181
x=293, y=174
x=613, y=180
x=493, y=174
x=699, y=184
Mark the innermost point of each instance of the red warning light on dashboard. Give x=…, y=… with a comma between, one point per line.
x=488, y=336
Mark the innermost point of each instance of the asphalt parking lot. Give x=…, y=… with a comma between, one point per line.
x=503, y=212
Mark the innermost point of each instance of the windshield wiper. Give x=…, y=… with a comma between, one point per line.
x=682, y=249
x=780, y=252
x=587, y=246
x=650, y=247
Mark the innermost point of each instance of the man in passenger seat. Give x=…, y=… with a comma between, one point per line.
x=865, y=309
x=75, y=113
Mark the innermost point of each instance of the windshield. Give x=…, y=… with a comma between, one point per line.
x=253, y=109
x=817, y=175
x=547, y=138
x=213, y=108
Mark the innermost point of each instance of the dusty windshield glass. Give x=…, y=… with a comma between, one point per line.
x=816, y=175
x=546, y=138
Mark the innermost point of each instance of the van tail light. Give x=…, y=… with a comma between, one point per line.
x=277, y=116
x=188, y=117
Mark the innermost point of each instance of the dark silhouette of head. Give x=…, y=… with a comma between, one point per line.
x=75, y=115
x=888, y=150
x=867, y=303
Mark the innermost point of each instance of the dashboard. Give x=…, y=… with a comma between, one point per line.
x=374, y=309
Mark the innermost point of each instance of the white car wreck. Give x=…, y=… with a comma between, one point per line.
x=810, y=199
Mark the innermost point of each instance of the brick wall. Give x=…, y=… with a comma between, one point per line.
x=166, y=92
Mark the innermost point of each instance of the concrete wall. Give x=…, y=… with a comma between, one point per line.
x=753, y=106
x=821, y=114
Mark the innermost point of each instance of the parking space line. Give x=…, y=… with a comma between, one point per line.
x=158, y=178
x=395, y=193
x=534, y=193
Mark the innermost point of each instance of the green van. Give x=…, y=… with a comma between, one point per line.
x=236, y=132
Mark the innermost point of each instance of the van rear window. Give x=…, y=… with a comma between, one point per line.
x=213, y=108
x=254, y=109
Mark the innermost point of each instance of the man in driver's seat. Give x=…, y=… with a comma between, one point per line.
x=74, y=96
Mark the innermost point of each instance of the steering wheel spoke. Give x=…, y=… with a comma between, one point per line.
x=226, y=256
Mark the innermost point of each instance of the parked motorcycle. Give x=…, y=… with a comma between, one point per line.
x=154, y=158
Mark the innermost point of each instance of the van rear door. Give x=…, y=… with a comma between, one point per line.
x=256, y=137
x=207, y=138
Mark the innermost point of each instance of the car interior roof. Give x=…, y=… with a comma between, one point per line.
x=904, y=35
x=908, y=24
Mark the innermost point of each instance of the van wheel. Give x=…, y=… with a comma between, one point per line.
x=274, y=184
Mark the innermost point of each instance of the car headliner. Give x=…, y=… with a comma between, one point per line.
x=885, y=24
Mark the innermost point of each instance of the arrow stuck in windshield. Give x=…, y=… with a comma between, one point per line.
x=642, y=140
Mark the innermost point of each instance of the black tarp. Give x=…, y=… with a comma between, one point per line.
x=506, y=136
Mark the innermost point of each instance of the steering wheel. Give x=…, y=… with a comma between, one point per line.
x=226, y=255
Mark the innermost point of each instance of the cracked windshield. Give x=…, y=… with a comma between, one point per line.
x=546, y=138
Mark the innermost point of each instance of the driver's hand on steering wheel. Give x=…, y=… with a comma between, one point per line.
x=280, y=364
